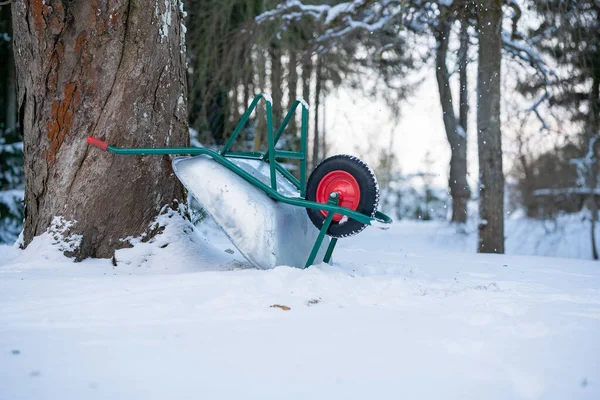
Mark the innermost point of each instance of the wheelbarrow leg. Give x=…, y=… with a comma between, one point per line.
x=333, y=200
x=330, y=248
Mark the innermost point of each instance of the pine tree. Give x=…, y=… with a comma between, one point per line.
x=570, y=34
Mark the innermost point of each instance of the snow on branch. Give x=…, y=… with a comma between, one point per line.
x=418, y=16
x=523, y=51
x=338, y=20
x=534, y=109
x=585, y=164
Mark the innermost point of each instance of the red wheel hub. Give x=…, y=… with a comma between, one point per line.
x=345, y=185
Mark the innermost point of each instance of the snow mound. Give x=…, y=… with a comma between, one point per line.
x=174, y=247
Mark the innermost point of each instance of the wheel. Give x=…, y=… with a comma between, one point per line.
x=357, y=188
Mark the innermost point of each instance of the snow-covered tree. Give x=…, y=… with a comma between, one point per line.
x=489, y=135
x=435, y=18
x=569, y=33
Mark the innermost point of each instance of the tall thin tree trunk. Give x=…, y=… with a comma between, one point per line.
x=316, y=157
x=292, y=87
x=307, y=68
x=457, y=138
x=235, y=104
x=276, y=83
x=260, y=110
x=594, y=210
x=324, y=131
x=593, y=130
x=248, y=78
x=463, y=63
x=459, y=207
x=114, y=71
x=489, y=138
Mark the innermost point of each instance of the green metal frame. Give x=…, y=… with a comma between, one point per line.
x=271, y=156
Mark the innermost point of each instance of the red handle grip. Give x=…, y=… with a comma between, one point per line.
x=102, y=145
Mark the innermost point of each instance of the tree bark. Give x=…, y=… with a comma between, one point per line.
x=459, y=207
x=292, y=87
x=593, y=130
x=113, y=70
x=261, y=125
x=306, y=74
x=489, y=138
x=457, y=182
x=324, y=130
x=235, y=105
x=276, y=83
x=463, y=63
x=316, y=156
x=307, y=68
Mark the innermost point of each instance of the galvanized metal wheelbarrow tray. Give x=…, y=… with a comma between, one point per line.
x=235, y=165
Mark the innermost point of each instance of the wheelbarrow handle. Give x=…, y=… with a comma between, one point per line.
x=381, y=221
x=102, y=145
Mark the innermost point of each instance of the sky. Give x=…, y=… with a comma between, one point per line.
x=359, y=125
x=356, y=124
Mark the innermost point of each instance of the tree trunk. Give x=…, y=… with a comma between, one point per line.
x=235, y=105
x=307, y=68
x=306, y=75
x=276, y=83
x=293, y=88
x=113, y=71
x=593, y=206
x=261, y=124
x=324, y=130
x=459, y=205
x=593, y=130
x=459, y=188
x=489, y=138
x=463, y=63
x=316, y=157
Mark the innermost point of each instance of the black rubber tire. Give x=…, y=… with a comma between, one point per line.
x=369, y=193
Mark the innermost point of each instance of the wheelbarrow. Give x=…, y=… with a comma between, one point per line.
x=259, y=203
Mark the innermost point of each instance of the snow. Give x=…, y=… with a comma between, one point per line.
x=303, y=103
x=400, y=314
x=567, y=236
x=267, y=97
x=165, y=18
x=58, y=234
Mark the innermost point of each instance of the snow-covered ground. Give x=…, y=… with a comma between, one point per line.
x=401, y=314
x=566, y=236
